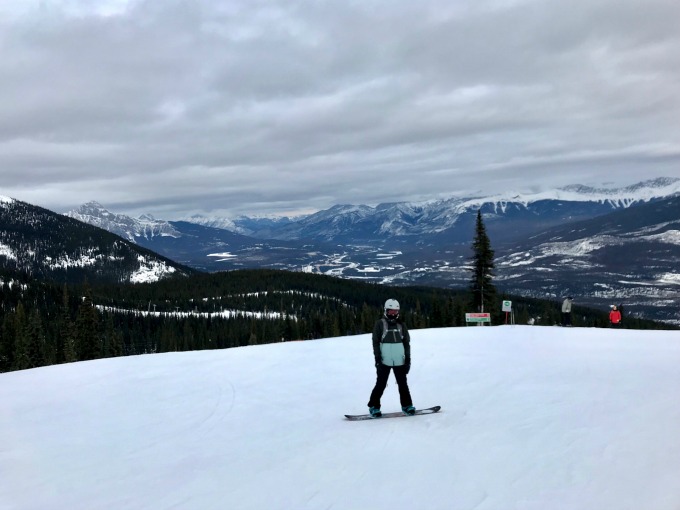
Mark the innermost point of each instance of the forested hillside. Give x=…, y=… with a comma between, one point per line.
x=44, y=323
x=51, y=246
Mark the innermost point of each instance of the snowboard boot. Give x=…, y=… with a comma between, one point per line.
x=410, y=410
x=375, y=412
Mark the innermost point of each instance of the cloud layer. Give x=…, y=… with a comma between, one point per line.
x=247, y=106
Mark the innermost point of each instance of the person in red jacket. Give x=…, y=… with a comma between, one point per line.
x=615, y=317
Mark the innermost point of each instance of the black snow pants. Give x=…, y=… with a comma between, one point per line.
x=383, y=372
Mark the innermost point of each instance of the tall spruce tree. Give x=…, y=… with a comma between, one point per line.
x=22, y=354
x=88, y=342
x=7, y=340
x=67, y=333
x=481, y=286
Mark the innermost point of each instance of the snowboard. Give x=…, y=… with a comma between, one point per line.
x=358, y=417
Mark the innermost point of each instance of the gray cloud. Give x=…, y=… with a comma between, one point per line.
x=276, y=107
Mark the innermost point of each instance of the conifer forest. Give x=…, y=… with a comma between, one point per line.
x=45, y=323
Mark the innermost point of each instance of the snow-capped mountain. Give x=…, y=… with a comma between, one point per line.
x=628, y=256
x=245, y=225
x=49, y=245
x=429, y=243
x=507, y=215
x=199, y=246
x=223, y=223
x=132, y=229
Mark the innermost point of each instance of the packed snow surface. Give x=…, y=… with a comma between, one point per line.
x=532, y=418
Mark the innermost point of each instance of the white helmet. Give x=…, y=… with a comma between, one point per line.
x=392, y=309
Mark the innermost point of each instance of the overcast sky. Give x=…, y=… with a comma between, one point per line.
x=228, y=107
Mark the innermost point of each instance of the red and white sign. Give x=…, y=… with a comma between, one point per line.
x=477, y=317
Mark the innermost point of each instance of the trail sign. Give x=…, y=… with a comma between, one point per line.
x=507, y=306
x=477, y=317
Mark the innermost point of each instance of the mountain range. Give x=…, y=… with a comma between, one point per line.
x=45, y=244
x=603, y=245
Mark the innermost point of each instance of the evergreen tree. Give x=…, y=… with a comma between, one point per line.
x=113, y=339
x=418, y=316
x=7, y=340
x=22, y=355
x=368, y=316
x=87, y=329
x=437, y=315
x=67, y=335
x=483, y=291
x=36, y=341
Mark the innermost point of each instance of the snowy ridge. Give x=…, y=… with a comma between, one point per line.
x=216, y=222
x=72, y=250
x=434, y=216
x=532, y=417
x=617, y=197
x=387, y=219
x=5, y=200
x=129, y=228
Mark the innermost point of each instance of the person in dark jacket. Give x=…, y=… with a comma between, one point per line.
x=391, y=351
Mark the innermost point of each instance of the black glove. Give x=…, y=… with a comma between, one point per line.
x=408, y=367
x=378, y=363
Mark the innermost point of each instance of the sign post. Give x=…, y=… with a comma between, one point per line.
x=479, y=318
x=507, y=308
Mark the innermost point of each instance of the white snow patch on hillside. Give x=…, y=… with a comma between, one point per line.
x=670, y=237
x=670, y=278
x=222, y=256
x=6, y=251
x=150, y=271
x=532, y=418
x=66, y=261
x=653, y=228
x=369, y=269
x=388, y=256
x=6, y=200
x=222, y=314
x=578, y=248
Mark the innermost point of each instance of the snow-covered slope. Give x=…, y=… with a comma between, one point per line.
x=532, y=418
x=627, y=256
x=45, y=244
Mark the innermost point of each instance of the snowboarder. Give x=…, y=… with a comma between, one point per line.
x=392, y=351
x=615, y=317
x=566, y=311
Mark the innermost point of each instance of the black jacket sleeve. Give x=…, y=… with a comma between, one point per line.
x=377, y=337
x=407, y=343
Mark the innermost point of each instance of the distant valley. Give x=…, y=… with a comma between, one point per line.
x=603, y=246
